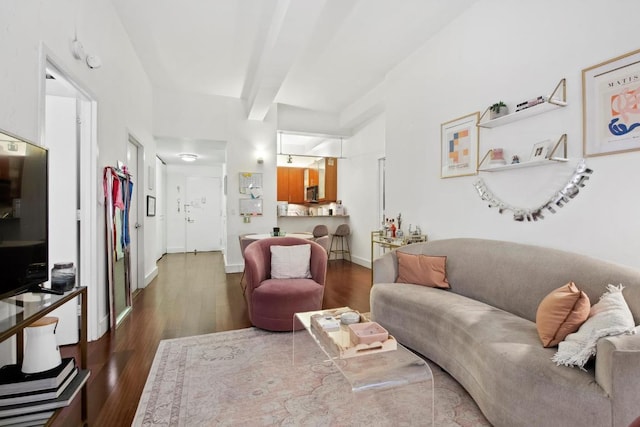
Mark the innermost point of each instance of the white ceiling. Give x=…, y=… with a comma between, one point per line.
x=313, y=54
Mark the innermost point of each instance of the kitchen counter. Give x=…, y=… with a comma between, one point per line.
x=313, y=216
x=306, y=223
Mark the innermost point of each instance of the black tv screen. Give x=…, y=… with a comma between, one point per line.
x=23, y=216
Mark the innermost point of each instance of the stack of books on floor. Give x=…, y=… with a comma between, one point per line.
x=31, y=399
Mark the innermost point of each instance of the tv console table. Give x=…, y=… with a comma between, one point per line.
x=27, y=308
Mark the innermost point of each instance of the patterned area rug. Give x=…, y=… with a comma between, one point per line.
x=246, y=378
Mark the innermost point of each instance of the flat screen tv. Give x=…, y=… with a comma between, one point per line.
x=23, y=216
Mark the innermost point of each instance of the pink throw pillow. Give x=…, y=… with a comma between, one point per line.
x=422, y=270
x=561, y=313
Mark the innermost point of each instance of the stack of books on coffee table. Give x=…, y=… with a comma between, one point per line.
x=31, y=399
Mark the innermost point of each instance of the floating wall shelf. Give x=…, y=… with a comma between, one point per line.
x=545, y=162
x=554, y=102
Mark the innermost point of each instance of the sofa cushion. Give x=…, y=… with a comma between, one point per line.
x=561, y=313
x=290, y=262
x=609, y=316
x=422, y=270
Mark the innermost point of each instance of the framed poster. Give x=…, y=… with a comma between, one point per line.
x=459, y=146
x=611, y=106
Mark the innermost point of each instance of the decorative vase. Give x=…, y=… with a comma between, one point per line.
x=502, y=112
x=41, y=351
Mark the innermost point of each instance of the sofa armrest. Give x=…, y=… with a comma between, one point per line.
x=385, y=268
x=618, y=373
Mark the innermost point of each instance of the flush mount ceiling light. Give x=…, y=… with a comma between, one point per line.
x=188, y=157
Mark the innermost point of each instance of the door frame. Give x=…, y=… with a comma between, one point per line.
x=139, y=200
x=88, y=156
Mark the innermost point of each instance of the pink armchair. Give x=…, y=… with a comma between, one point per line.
x=273, y=302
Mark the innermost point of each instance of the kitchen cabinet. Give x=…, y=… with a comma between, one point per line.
x=330, y=191
x=293, y=182
x=290, y=183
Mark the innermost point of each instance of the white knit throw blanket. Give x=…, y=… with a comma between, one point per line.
x=609, y=316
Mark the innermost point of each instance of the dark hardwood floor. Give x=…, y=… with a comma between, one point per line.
x=192, y=295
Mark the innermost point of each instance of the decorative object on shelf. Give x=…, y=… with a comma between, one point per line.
x=41, y=351
x=498, y=109
x=611, y=116
x=459, y=146
x=539, y=151
x=531, y=103
x=541, y=104
x=559, y=198
x=63, y=276
x=515, y=160
x=497, y=157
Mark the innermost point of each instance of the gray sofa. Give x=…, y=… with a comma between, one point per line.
x=482, y=331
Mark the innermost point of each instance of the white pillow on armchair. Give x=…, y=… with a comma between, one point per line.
x=291, y=262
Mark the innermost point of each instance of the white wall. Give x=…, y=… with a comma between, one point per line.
x=120, y=87
x=512, y=51
x=358, y=185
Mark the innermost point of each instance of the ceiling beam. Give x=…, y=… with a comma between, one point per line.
x=292, y=24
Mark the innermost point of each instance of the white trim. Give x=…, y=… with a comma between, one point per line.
x=149, y=277
x=140, y=206
x=88, y=175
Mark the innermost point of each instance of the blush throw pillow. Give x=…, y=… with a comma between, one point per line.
x=422, y=270
x=561, y=313
x=609, y=316
x=290, y=262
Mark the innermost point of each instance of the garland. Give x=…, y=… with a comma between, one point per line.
x=559, y=199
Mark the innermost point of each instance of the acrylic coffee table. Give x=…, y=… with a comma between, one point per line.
x=395, y=387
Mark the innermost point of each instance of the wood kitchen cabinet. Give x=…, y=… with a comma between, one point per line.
x=330, y=179
x=293, y=182
x=290, y=185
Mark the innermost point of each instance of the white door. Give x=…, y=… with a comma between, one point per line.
x=203, y=214
x=134, y=224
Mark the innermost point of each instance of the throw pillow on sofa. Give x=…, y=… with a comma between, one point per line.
x=609, y=316
x=291, y=262
x=422, y=270
x=560, y=313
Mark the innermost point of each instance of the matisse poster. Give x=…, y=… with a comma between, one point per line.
x=611, y=109
x=459, y=146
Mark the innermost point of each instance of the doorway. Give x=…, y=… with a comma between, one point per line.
x=69, y=132
x=193, y=210
x=202, y=210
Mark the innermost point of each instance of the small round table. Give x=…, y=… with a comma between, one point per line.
x=307, y=236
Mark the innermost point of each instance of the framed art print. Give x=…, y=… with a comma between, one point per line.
x=539, y=151
x=611, y=106
x=459, y=146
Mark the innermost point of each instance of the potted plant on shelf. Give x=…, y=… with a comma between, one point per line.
x=498, y=109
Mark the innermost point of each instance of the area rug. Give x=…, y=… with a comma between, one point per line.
x=247, y=378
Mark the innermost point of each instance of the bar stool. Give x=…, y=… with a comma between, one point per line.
x=320, y=230
x=342, y=234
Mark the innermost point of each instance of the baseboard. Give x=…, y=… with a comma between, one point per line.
x=103, y=326
x=234, y=268
x=364, y=262
x=152, y=275
x=176, y=250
